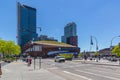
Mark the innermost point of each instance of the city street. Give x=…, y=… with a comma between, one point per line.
x=77, y=70
x=60, y=40
x=69, y=70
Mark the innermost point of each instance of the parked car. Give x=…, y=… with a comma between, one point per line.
x=90, y=58
x=59, y=59
x=112, y=59
x=108, y=58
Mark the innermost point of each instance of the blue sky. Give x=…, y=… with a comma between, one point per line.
x=99, y=18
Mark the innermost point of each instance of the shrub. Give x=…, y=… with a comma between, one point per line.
x=67, y=56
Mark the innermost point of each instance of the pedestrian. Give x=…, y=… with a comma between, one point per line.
x=99, y=57
x=29, y=61
x=0, y=70
x=85, y=57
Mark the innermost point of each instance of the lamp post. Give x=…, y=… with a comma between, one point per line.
x=33, y=47
x=119, y=56
x=96, y=44
x=111, y=46
x=40, y=49
x=33, y=51
x=85, y=57
x=112, y=40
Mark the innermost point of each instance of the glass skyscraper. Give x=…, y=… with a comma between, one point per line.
x=70, y=29
x=26, y=24
x=70, y=35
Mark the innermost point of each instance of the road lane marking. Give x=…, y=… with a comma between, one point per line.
x=102, y=71
x=98, y=75
x=73, y=66
x=53, y=68
x=77, y=75
x=106, y=69
x=65, y=67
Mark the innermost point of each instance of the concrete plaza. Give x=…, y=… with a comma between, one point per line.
x=20, y=71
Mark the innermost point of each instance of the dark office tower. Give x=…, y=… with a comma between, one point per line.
x=26, y=24
x=70, y=35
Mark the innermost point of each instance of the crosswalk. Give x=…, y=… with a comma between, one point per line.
x=88, y=71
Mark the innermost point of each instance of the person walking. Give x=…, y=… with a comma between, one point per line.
x=0, y=70
x=29, y=61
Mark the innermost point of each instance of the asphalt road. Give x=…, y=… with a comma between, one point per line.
x=71, y=70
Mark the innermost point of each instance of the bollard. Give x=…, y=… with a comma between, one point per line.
x=40, y=62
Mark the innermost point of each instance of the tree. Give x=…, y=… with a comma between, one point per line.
x=80, y=54
x=116, y=51
x=96, y=54
x=12, y=48
x=9, y=47
x=2, y=46
x=16, y=50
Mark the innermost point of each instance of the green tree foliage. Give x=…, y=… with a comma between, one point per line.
x=17, y=50
x=96, y=54
x=116, y=51
x=67, y=55
x=2, y=46
x=80, y=55
x=9, y=47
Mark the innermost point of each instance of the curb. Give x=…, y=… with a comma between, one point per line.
x=97, y=63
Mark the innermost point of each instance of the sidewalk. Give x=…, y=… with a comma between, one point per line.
x=100, y=62
x=20, y=71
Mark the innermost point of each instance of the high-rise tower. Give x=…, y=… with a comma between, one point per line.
x=70, y=35
x=26, y=26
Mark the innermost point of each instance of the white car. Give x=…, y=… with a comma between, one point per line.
x=59, y=59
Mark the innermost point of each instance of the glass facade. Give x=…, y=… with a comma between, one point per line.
x=70, y=36
x=26, y=24
x=70, y=29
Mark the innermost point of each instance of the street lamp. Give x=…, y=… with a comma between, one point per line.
x=40, y=49
x=111, y=47
x=112, y=40
x=96, y=44
x=85, y=57
x=33, y=51
x=33, y=48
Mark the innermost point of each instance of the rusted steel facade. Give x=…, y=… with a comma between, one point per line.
x=43, y=49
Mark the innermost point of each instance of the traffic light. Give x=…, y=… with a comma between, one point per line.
x=91, y=42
